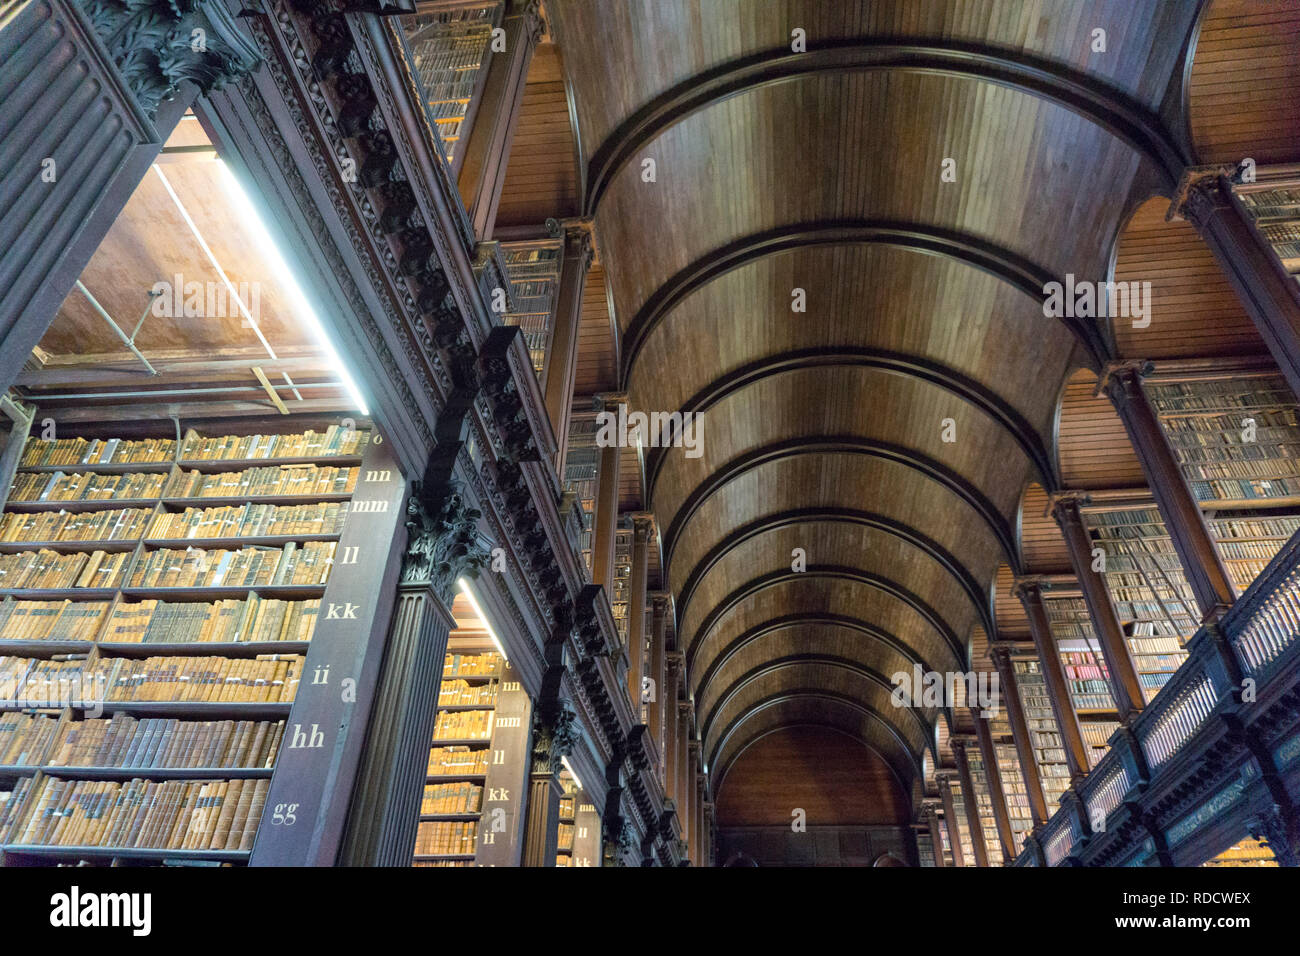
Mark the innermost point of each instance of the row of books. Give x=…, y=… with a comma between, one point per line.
x=459, y=693
x=269, y=480
x=57, y=683
x=235, y=620
x=267, y=677
x=452, y=798
x=97, y=451
x=446, y=838
x=1097, y=733
x=25, y=738
x=457, y=762
x=250, y=520
x=1245, y=489
x=464, y=725
x=157, y=743
x=294, y=564
x=335, y=440
x=86, y=486
x=124, y=524
x=50, y=620
x=172, y=814
x=50, y=569
x=471, y=665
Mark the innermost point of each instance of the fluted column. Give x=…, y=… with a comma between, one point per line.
x=945, y=779
x=486, y=154
x=554, y=732
x=683, y=765
x=971, y=803
x=658, y=653
x=1269, y=295
x=1020, y=734
x=993, y=778
x=642, y=528
x=936, y=836
x=668, y=700
x=1202, y=566
x=1030, y=592
x=1124, y=684
x=560, y=373
x=605, y=525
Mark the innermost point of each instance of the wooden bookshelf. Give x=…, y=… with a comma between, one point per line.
x=984, y=805
x=1151, y=595
x=449, y=51
x=533, y=270
x=197, y=706
x=477, y=762
x=1045, y=736
x=581, y=476
x=1275, y=210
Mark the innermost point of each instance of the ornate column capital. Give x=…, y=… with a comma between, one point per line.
x=555, y=735
x=159, y=44
x=643, y=526
x=579, y=235
x=1201, y=191
x=442, y=541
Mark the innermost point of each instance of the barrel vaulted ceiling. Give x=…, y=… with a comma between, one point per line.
x=824, y=429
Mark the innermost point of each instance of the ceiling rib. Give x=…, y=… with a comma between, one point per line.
x=829, y=697
x=833, y=572
x=1013, y=269
x=933, y=373
x=792, y=660
x=846, y=445
x=898, y=529
x=1106, y=106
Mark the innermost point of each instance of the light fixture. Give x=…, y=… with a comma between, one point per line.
x=302, y=305
x=569, y=767
x=487, y=626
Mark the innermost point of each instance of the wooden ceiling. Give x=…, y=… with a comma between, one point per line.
x=890, y=428
x=223, y=316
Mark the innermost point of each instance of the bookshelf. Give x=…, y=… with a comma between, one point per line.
x=568, y=815
x=158, y=601
x=581, y=476
x=478, y=762
x=1237, y=439
x=1249, y=852
x=1085, y=671
x=533, y=270
x=1247, y=542
x=1013, y=785
x=984, y=805
x=1151, y=595
x=450, y=50
x=1045, y=736
x=1275, y=210
x=621, y=600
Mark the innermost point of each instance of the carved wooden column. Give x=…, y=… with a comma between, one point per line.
x=993, y=778
x=642, y=529
x=554, y=734
x=1020, y=734
x=658, y=636
x=605, y=524
x=1124, y=684
x=692, y=783
x=559, y=375
x=1030, y=592
x=683, y=765
x=487, y=150
x=1191, y=536
x=442, y=544
x=710, y=811
x=945, y=779
x=1269, y=295
x=931, y=814
x=973, y=822
x=79, y=130
x=668, y=702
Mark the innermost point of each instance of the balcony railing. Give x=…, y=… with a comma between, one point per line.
x=1262, y=629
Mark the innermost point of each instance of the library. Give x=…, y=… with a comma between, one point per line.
x=712, y=433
